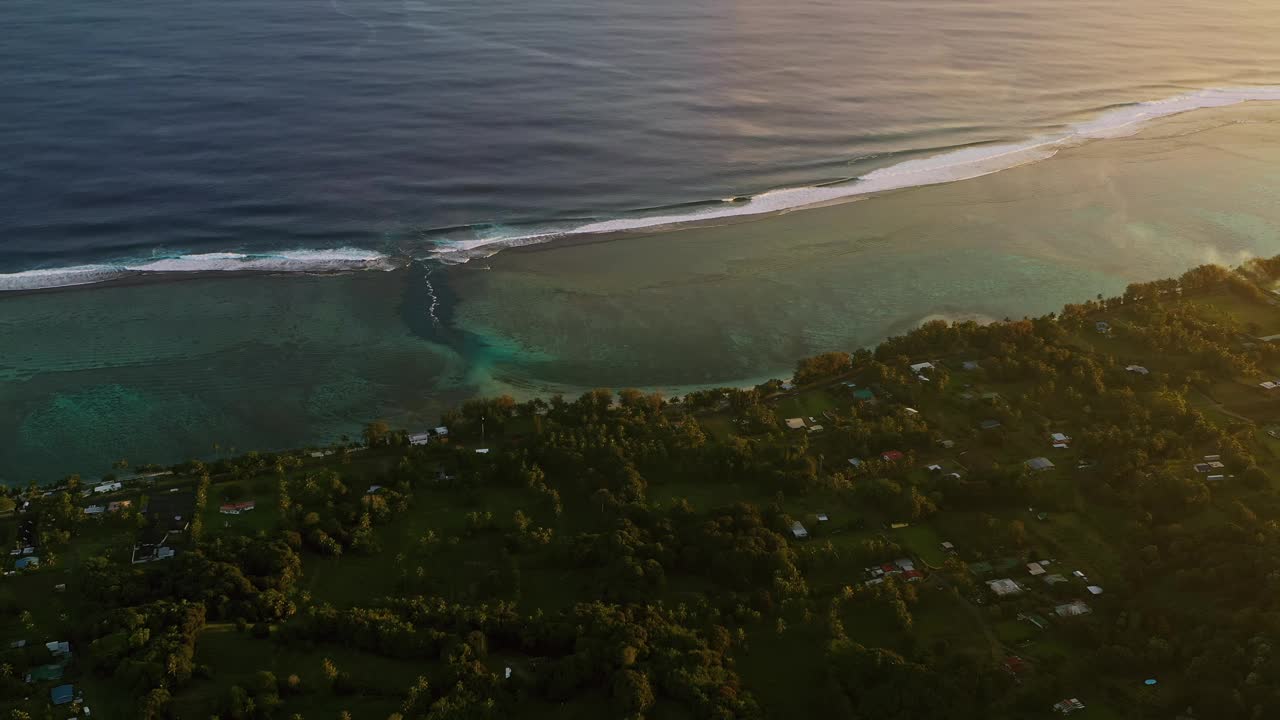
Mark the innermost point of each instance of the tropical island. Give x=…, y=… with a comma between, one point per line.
x=1074, y=514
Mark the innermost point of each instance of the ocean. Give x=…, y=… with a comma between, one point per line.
x=273, y=221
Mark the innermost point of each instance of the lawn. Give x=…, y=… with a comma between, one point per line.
x=806, y=404
x=922, y=541
x=235, y=658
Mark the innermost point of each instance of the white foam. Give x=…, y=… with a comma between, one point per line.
x=952, y=166
x=303, y=261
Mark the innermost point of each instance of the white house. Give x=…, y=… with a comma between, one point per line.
x=420, y=438
x=108, y=487
x=798, y=531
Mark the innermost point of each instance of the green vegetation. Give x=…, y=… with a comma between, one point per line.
x=626, y=556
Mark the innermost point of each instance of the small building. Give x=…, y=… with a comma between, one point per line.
x=1015, y=665
x=373, y=490
x=855, y=462
x=1059, y=440
x=482, y=451
x=948, y=547
x=911, y=411
x=441, y=431
x=921, y=367
x=1075, y=608
x=898, y=525
x=95, y=510
x=59, y=648
x=1054, y=579
x=1094, y=590
x=118, y=505
x=1039, y=464
x=1068, y=706
x=1035, y=568
x=815, y=428
x=1004, y=586
x=934, y=468
x=62, y=694
x=794, y=423
x=822, y=517
x=237, y=508
x=420, y=438
x=108, y=487
x=798, y=531
x=1102, y=327
x=891, y=455
x=787, y=386
x=947, y=444
x=905, y=564
x=1138, y=369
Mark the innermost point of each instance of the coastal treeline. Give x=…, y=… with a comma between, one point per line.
x=967, y=521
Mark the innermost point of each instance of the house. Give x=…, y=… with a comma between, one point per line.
x=1035, y=568
x=1068, y=706
x=921, y=367
x=912, y=575
x=441, y=431
x=1102, y=327
x=95, y=510
x=787, y=386
x=62, y=694
x=815, y=428
x=1038, y=464
x=1074, y=608
x=45, y=673
x=934, y=468
x=855, y=462
x=1094, y=590
x=1202, y=467
x=794, y=423
x=989, y=424
x=1059, y=440
x=1138, y=369
x=1015, y=665
x=118, y=505
x=482, y=451
x=1212, y=458
x=1268, y=385
x=59, y=648
x=151, y=552
x=373, y=490
x=905, y=564
x=822, y=517
x=108, y=487
x=237, y=508
x=891, y=455
x=948, y=547
x=420, y=438
x=911, y=411
x=798, y=531
x=1004, y=586
x=1054, y=579
x=947, y=444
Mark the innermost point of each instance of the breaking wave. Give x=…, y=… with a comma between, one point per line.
x=289, y=261
x=950, y=166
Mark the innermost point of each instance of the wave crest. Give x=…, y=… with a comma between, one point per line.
x=290, y=261
x=950, y=166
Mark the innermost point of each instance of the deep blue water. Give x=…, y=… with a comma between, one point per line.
x=135, y=128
